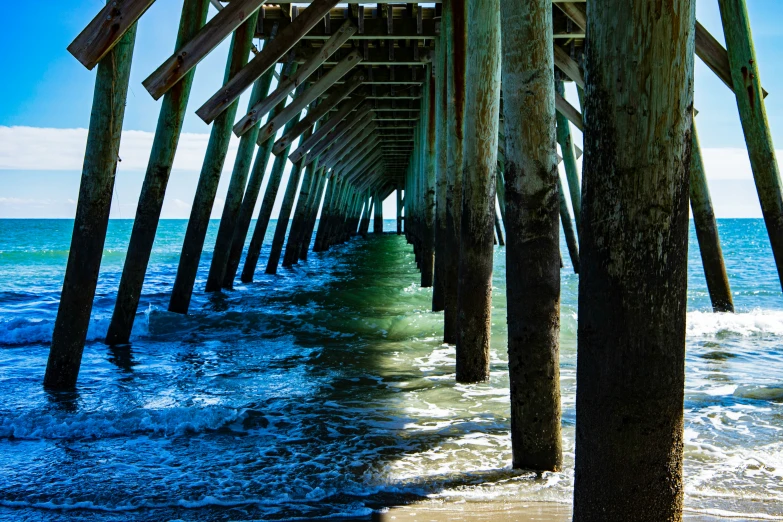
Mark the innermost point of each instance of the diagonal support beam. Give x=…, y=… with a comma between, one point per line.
x=569, y=111
x=316, y=114
x=343, y=147
x=284, y=88
x=106, y=29
x=355, y=156
x=209, y=37
x=346, y=131
x=326, y=127
x=276, y=49
x=295, y=107
x=569, y=66
x=714, y=56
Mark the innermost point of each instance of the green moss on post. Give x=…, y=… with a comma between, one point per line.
x=480, y=145
x=753, y=115
x=454, y=13
x=707, y=233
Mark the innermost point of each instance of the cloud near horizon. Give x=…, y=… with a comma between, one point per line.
x=49, y=149
x=52, y=150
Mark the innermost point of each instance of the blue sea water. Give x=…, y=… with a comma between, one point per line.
x=324, y=391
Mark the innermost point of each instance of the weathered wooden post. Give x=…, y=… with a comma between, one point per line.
x=314, y=207
x=499, y=231
x=399, y=211
x=707, y=233
x=568, y=228
x=429, y=167
x=267, y=203
x=533, y=234
x=209, y=177
x=439, y=113
x=236, y=192
x=285, y=209
x=153, y=190
x=633, y=256
x=295, y=236
x=455, y=13
x=332, y=192
x=569, y=158
x=92, y=215
x=252, y=192
x=482, y=112
x=365, y=226
x=378, y=221
x=747, y=87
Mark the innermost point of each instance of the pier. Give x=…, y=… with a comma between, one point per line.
x=458, y=110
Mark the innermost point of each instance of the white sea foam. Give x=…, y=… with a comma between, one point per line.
x=20, y=330
x=170, y=421
x=755, y=323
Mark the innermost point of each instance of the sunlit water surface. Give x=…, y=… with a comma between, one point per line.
x=325, y=391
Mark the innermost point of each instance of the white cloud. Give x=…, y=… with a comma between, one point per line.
x=46, y=149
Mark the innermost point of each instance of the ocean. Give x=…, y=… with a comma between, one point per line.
x=324, y=391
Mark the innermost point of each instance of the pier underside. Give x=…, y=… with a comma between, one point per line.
x=457, y=109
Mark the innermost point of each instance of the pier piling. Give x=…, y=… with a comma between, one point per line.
x=480, y=144
x=633, y=262
x=215, y=157
x=92, y=215
x=153, y=190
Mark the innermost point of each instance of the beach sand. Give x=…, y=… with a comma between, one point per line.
x=434, y=511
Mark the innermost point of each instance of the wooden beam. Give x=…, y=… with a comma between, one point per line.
x=326, y=127
x=258, y=111
x=569, y=111
x=374, y=29
x=190, y=54
x=568, y=65
x=333, y=155
x=273, y=51
x=361, y=119
x=714, y=56
x=105, y=30
x=575, y=12
x=355, y=156
x=301, y=102
x=319, y=112
x=410, y=56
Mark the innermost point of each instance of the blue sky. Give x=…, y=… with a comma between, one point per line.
x=48, y=92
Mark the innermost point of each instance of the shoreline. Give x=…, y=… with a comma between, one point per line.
x=504, y=511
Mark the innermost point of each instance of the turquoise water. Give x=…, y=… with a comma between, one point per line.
x=324, y=391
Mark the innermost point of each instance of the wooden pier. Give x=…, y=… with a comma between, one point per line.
x=458, y=108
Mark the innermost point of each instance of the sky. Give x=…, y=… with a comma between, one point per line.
x=47, y=96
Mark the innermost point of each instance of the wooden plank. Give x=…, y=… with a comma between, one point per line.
x=715, y=56
x=105, y=30
x=273, y=51
x=312, y=93
x=316, y=114
x=258, y=111
x=569, y=111
x=326, y=127
x=210, y=36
